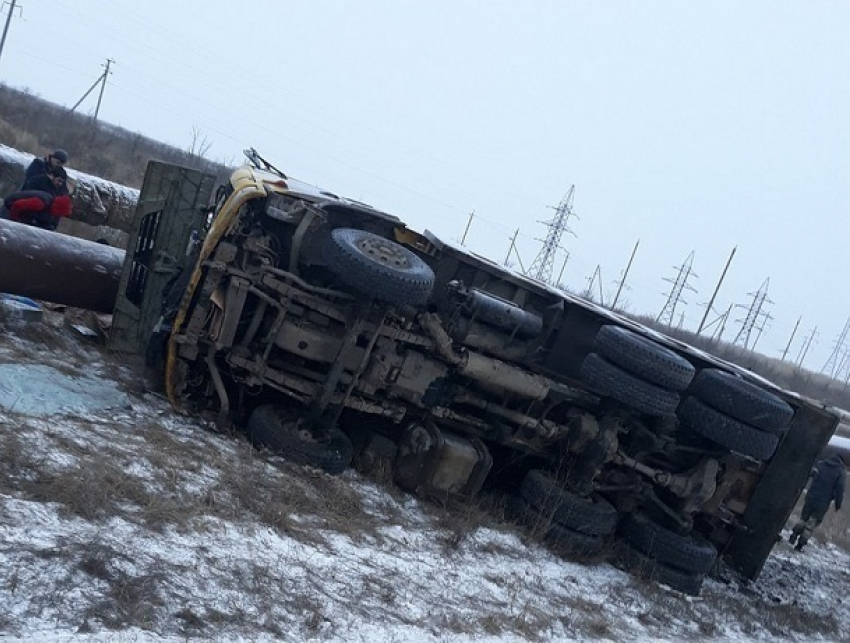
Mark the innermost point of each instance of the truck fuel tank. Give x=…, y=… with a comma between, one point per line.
x=441, y=465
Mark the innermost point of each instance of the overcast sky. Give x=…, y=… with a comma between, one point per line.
x=694, y=127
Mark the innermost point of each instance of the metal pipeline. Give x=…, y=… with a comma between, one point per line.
x=58, y=268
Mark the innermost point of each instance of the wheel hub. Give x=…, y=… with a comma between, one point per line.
x=383, y=252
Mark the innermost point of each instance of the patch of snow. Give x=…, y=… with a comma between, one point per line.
x=35, y=389
x=223, y=579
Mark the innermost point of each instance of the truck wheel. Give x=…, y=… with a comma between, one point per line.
x=614, y=382
x=691, y=553
x=566, y=541
x=276, y=429
x=643, y=357
x=594, y=515
x=378, y=267
x=643, y=566
x=726, y=431
x=742, y=400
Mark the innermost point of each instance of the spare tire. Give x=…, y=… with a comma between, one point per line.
x=378, y=267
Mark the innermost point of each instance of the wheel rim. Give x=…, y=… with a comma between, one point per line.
x=384, y=253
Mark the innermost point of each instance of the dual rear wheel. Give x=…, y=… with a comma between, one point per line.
x=715, y=404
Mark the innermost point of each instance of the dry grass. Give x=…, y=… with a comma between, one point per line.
x=128, y=600
x=179, y=483
x=162, y=473
x=13, y=136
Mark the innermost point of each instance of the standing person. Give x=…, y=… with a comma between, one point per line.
x=830, y=478
x=44, y=166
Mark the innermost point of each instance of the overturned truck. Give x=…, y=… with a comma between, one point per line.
x=331, y=332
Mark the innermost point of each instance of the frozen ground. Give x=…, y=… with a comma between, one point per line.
x=121, y=521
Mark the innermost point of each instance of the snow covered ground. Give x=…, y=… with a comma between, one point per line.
x=122, y=521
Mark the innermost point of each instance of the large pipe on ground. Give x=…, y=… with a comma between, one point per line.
x=57, y=268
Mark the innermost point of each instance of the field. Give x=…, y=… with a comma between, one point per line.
x=124, y=521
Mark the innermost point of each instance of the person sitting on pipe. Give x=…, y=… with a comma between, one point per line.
x=44, y=206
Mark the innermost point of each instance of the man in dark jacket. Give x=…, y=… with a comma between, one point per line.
x=830, y=478
x=42, y=167
x=44, y=204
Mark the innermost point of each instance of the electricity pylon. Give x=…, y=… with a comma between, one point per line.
x=679, y=284
x=830, y=368
x=755, y=314
x=541, y=267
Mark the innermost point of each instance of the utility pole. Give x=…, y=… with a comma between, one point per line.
x=6, y=26
x=720, y=320
x=588, y=293
x=723, y=319
x=625, y=274
x=468, y=225
x=716, y=290
x=804, y=349
x=563, y=265
x=106, y=73
x=519, y=261
x=765, y=318
x=102, y=80
x=793, y=332
x=511, y=248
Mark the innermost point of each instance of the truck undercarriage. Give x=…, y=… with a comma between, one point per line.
x=331, y=332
